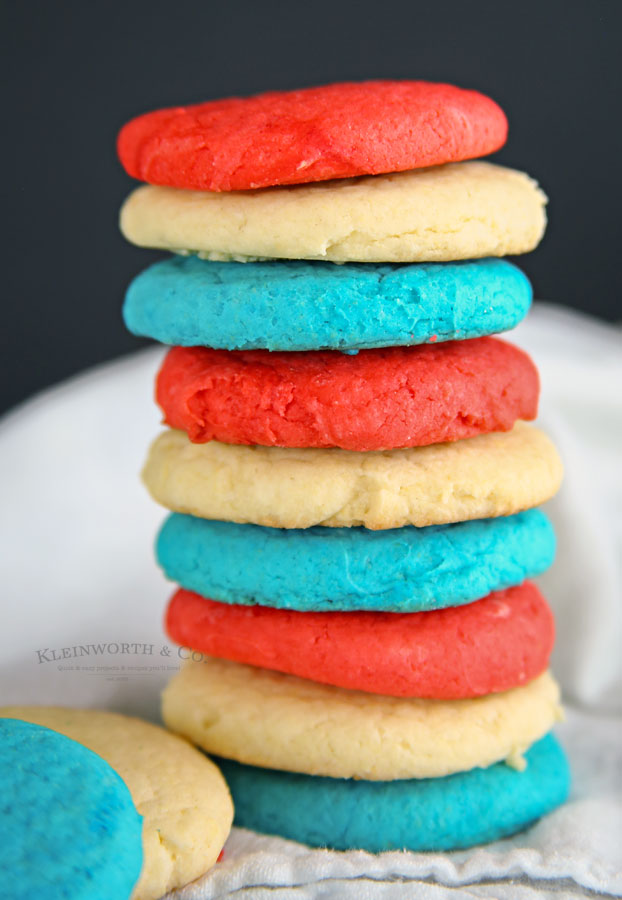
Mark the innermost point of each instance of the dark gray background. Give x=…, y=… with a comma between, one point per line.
x=76, y=71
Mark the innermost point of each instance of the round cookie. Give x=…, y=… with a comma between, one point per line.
x=492, y=645
x=326, y=569
x=333, y=131
x=69, y=827
x=422, y=815
x=373, y=400
x=489, y=475
x=181, y=795
x=264, y=718
x=457, y=211
x=298, y=305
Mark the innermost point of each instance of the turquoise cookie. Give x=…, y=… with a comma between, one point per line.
x=69, y=828
x=396, y=570
x=448, y=813
x=299, y=305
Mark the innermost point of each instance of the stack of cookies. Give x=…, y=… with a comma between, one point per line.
x=350, y=472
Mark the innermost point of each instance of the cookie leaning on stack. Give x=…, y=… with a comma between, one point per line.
x=375, y=653
x=67, y=820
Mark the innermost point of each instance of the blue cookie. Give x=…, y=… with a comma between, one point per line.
x=396, y=570
x=429, y=814
x=69, y=828
x=297, y=305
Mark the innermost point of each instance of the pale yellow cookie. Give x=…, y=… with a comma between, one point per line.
x=265, y=718
x=181, y=795
x=489, y=475
x=459, y=211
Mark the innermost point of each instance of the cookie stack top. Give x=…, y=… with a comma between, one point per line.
x=431, y=206
x=374, y=175
x=315, y=134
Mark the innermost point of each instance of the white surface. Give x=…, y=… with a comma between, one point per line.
x=76, y=531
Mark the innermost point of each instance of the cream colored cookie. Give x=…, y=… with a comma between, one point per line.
x=265, y=718
x=458, y=211
x=489, y=475
x=181, y=795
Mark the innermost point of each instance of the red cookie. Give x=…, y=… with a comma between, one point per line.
x=294, y=137
x=375, y=400
x=494, y=644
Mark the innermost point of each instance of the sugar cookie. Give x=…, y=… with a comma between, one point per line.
x=264, y=718
x=492, y=645
x=69, y=827
x=417, y=814
x=489, y=475
x=374, y=400
x=298, y=305
x=325, y=569
x=457, y=211
x=333, y=131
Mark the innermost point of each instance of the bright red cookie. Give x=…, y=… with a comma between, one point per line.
x=295, y=137
x=494, y=644
x=375, y=400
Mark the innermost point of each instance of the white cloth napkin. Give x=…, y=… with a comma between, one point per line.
x=76, y=531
